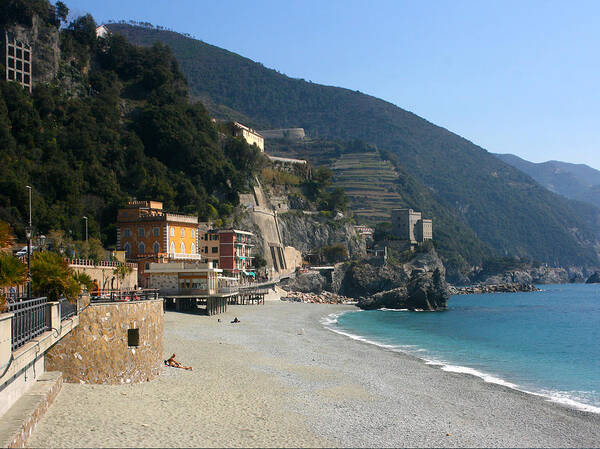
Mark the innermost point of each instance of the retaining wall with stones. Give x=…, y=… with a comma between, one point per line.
x=103, y=349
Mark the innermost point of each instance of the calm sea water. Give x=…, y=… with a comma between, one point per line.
x=546, y=342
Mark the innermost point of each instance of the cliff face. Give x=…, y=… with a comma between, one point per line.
x=44, y=41
x=307, y=233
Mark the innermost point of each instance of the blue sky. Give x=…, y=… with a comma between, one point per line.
x=516, y=77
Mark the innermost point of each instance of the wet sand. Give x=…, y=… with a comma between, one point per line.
x=279, y=378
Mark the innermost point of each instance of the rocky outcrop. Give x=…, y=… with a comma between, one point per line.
x=534, y=275
x=308, y=232
x=425, y=290
x=309, y=282
x=594, y=278
x=494, y=288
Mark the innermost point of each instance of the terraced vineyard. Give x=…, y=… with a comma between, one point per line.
x=370, y=183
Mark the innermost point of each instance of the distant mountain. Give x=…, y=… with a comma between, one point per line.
x=506, y=209
x=576, y=181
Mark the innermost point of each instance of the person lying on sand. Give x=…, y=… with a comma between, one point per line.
x=235, y=320
x=175, y=364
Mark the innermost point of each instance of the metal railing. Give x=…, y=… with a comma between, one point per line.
x=123, y=295
x=67, y=309
x=31, y=318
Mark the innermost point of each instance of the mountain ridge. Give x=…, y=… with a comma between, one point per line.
x=507, y=209
x=576, y=181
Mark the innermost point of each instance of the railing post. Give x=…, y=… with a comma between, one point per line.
x=5, y=339
x=54, y=314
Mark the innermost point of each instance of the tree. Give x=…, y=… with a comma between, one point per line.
x=6, y=235
x=335, y=253
x=52, y=277
x=121, y=272
x=259, y=261
x=84, y=280
x=62, y=11
x=13, y=272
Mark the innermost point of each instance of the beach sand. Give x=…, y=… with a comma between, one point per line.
x=280, y=378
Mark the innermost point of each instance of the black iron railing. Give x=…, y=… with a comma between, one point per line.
x=67, y=309
x=31, y=318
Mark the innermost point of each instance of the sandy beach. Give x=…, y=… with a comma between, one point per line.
x=280, y=378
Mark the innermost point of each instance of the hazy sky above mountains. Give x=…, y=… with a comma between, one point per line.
x=512, y=76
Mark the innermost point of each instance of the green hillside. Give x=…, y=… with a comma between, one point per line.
x=507, y=210
x=370, y=183
x=115, y=124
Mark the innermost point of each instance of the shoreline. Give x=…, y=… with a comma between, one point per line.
x=281, y=378
x=567, y=402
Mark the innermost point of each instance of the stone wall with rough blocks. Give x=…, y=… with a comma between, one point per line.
x=97, y=351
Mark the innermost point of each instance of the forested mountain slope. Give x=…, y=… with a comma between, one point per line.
x=507, y=209
x=576, y=181
x=115, y=124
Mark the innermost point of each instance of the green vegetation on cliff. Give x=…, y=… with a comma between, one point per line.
x=115, y=124
x=476, y=192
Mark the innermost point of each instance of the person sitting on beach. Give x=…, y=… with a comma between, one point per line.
x=175, y=364
x=235, y=320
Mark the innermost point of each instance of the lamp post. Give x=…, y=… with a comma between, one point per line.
x=86, y=228
x=28, y=233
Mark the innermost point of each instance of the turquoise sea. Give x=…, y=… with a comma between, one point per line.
x=546, y=342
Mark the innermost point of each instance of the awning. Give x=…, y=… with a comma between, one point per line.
x=249, y=273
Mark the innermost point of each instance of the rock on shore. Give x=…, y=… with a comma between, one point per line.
x=594, y=278
x=494, y=288
x=323, y=297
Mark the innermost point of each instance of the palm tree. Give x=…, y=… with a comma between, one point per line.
x=52, y=277
x=6, y=235
x=13, y=272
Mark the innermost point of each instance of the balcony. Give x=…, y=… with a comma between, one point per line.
x=179, y=256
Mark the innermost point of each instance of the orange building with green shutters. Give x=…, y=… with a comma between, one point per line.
x=149, y=234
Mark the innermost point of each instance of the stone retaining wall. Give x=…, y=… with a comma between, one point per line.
x=98, y=350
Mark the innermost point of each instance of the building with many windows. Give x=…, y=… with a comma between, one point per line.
x=146, y=233
x=229, y=249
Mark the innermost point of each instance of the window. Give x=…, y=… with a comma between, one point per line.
x=11, y=50
x=182, y=248
x=19, y=65
x=11, y=74
x=182, y=232
x=147, y=265
x=206, y=249
x=193, y=234
x=156, y=247
x=140, y=232
x=26, y=55
x=172, y=248
x=215, y=249
x=127, y=249
x=11, y=63
x=126, y=232
x=172, y=232
x=205, y=236
x=133, y=337
x=193, y=249
x=141, y=248
x=155, y=232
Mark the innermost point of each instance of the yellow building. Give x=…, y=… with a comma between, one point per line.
x=146, y=233
x=249, y=135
